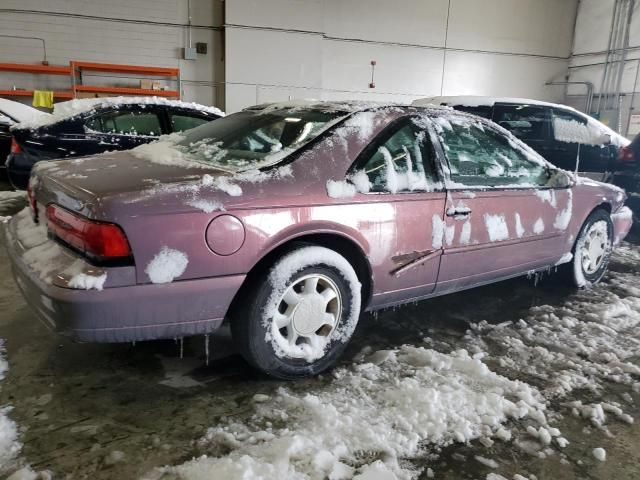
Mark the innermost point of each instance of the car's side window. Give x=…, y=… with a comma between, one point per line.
x=572, y=128
x=401, y=161
x=182, y=122
x=479, y=156
x=126, y=123
x=527, y=122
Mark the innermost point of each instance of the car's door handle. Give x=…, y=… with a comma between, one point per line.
x=458, y=212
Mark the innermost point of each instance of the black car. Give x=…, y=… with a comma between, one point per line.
x=556, y=132
x=11, y=113
x=90, y=126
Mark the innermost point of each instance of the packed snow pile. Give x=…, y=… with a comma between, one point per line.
x=388, y=407
x=578, y=345
x=167, y=265
x=71, y=108
x=9, y=444
x=9, y=200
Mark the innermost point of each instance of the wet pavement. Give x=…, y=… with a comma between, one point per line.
x=117, y=411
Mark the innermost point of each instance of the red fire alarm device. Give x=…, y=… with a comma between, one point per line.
x=373, y=69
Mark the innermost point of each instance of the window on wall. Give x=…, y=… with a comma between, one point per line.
x=180, y=123
x=126, y=123
x=479, y=156
x=401, y=160
x=524, y=121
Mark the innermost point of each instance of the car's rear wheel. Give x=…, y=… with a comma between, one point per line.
x=301, y=315
x=592, y=249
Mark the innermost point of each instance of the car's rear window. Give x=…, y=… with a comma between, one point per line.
x=256, y=138
x=482, y=110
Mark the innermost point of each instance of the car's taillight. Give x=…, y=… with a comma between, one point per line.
x=15, y=146
x=98, y=239
x=625, y=155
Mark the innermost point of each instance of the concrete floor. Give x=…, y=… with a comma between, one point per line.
x=76, y=404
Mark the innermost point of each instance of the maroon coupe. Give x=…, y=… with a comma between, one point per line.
x=289, y=220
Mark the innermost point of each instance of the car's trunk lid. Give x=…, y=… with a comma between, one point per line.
x=84, y=184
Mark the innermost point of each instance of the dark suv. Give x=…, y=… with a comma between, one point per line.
x=556, y=132
x=89, y=126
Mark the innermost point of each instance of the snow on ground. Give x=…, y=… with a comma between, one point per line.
x=502, y=382
x=9, y=200
x=387, y=407
x=9, y=444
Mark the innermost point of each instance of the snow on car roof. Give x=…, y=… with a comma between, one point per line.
x=482, y=101
x=71, y=108
x=20, y=112
x=347, y=106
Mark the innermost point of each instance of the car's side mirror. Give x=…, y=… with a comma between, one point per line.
x=559, y=178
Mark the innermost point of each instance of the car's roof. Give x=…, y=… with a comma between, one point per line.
x=72, y=108
x=346, y=106
x=479, y=101
x=482, y=101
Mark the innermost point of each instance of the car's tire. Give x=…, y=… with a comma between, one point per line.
x=300, y=315
x=592, y=250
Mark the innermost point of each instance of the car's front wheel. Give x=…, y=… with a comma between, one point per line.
x=592, y=249
x=300, y=316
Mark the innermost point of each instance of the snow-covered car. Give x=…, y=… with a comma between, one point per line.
x=562, y=135
x=289, y=220
x=11, y=113
x=94, y=125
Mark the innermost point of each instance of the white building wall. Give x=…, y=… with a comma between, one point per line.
x=140, y=32
x=422, y=48
x=593, y=26
x=281, y=49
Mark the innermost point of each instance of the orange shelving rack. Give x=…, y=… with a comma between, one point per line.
x=165, y=72
x=74, y=72
x=36, y=69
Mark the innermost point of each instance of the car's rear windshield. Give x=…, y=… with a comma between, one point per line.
x=481, y=110
x=254, y=139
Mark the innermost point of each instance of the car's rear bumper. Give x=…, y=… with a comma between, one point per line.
x=121, y=313
x=622, y=223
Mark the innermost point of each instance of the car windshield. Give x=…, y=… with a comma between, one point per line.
x=254, y=139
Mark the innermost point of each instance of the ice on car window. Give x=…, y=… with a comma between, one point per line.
x=482, y=157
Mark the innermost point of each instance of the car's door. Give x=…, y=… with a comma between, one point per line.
x=530, y=123
x=501, y=218
x=573, y=138
x=123, y=128
x=407, y=196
